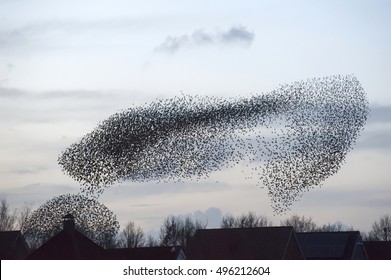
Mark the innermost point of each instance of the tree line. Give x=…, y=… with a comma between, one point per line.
x=178, y=230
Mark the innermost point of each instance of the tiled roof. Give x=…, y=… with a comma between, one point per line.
x=69, y=244
x=267, y=243
x=378, y=250
x=147, y=253
x=12, y=245
x=331, y=245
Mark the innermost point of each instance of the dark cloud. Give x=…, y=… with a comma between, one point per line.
x=237, y=34
x=234, y=35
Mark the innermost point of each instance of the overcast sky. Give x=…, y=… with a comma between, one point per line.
x=67, y=65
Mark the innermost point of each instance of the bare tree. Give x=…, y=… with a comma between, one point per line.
x=23, y=214
x=7, y=216
x=151, y=242
x=189, y=229
x=228, y=221
x=132, y=236
x=248, y=220
x=381, y=229
x=336, y=227
x=109, y=240
x=177, y=231
x=170, y=231
x=300, y=224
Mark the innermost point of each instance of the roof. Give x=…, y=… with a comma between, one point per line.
x=13, y=245
x=147, y=253
x=378, y=250
x=69, y=244
x=267, y=243
x=332, y=245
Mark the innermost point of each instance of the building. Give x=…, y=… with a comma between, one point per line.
x=147, y=253
x=346, y=245
x=378, y=250
x=262, y=243
x=68, y=244
x=13, y=246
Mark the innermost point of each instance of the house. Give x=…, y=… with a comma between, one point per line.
x=147, y=253
x=262, y=243
x=68, y=244
x=378, y=250
x=332, y=245
x=13, y=246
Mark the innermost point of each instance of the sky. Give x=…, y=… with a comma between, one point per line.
x=65, y=66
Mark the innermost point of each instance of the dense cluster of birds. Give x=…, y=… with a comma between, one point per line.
x=92, y=218
x=293, y=138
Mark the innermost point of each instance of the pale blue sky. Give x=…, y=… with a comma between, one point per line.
x=66, y=65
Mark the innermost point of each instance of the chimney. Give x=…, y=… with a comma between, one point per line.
x=68, y=222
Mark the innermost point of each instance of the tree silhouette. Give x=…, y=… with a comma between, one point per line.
x=151, y=241
x=177, y=231
x=300, y=224
x=23, y=215
x=92, y=218
x=131, y=236
x=7, y=216
x=335, y=227
x=381, y=229
x=248, y=220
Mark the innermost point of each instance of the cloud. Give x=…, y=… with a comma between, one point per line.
x=378, y=140
x=170, y=188
x=173, y=44
x=23, y=171
x=65, y=25
x=212, y=217
x=380, y=114
x=10, y=38
x=10, y=92
x=377, y=132
x=54, y=34
x=338, y=197
x=234, y=35
x=35, y=193
x=237, y=34
x=25, y=106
